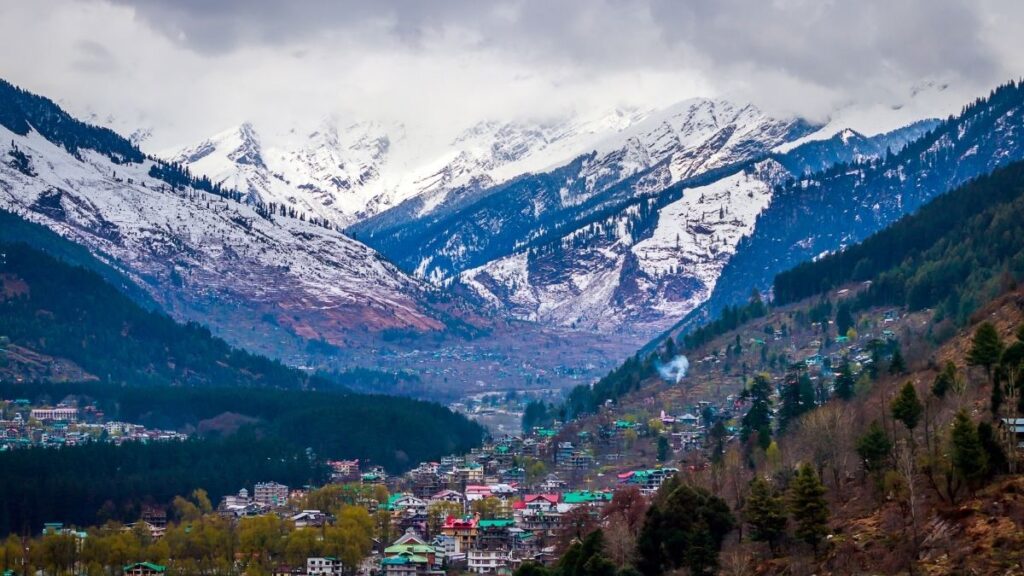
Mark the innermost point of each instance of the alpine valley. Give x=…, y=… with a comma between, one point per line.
x=350, y=247
x=511, y=288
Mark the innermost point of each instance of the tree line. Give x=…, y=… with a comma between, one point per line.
x=954, y=254
x=197, y=541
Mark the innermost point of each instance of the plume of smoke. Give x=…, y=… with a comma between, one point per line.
x=675, y=369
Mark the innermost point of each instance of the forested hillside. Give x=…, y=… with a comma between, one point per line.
x=93, y=483
x=14, y=229
x=850, y=426
x=242, y=436
x=832, y=442
x=69, y=312
x=823, y=212
x=954, y=253
x=253, y=418
x=22, y=111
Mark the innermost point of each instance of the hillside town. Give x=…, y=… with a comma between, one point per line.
x=514, y=499
x=518, y=497
x=25, y=425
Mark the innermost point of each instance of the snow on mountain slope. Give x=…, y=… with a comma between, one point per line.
x=695, y=136
x=469, y=230
x=697, y=233
x=659, y=256
x=637, y=271
x=202, y=256
x=822, y=212
x=325, y=177
x=347, y=174
x=926, y=99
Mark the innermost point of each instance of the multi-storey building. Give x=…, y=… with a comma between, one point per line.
x=270, y=494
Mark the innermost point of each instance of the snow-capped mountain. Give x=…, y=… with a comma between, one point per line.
x=633, y=236
x=326, y=177
x=595, y=191
x=642, y=267
x=825, y=211
x=345, y=173
x=201, y=255
x=626, y=220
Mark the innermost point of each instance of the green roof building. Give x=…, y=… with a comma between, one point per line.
x=586, y=497
x=144, y=569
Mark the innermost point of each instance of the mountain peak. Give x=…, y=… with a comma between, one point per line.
x=248, y=149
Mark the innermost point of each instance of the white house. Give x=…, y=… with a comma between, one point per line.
x=323, y=566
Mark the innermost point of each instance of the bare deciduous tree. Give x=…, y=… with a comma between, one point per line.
x=824, y=438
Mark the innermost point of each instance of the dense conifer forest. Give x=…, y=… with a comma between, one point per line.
x=955, y=253
x=254, y=418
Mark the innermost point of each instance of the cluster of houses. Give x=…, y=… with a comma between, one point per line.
x=23, y=425
x=519, y=527
x=484, y=512
x=267, y=497
x=494, y=527
x=474, y=524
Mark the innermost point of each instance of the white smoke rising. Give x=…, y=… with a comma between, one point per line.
x=675, y=369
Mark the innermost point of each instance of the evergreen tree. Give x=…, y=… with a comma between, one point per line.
x=670, y=349
x=844, y=384
x=897, y=366
x=628, y=571
x=536, y=413
x=1013, y=357
x=874, y=448
x=531, y=568
x=765, y=512
x=598, y=565
x=808, y=506
x=944, y=381
x=797, y=396
x=986, y=348
x=758, y=419
x=906, y=407
x=717, y=438
x=684, y=528
x=967, y=452
x=996, y=398
x=663, y=449
x=993, y=445
x=702, y=553
x=875, y=347
x=844, y=318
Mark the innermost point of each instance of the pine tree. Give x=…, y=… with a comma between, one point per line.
x=986, y=348
x=992, y=442
x=765, y=512
x=874, y=448
x=844, y=384
x=670, y=349
x=897, y=365
x=797, y=397
x=663, y=449
x=758, y=418
x=906, y=407
x=716, y=439
x=967, y=452
x=844, y=319
x=808, y=507
x=944, y=381
x=1013, y=357
x=684, y=527
x=532, y=569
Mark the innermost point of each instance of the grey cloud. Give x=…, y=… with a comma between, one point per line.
x=91, y=56
x=195, y=66
x=835, y=42
x=821, y=41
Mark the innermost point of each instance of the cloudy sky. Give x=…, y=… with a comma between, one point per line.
x=188, y=68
